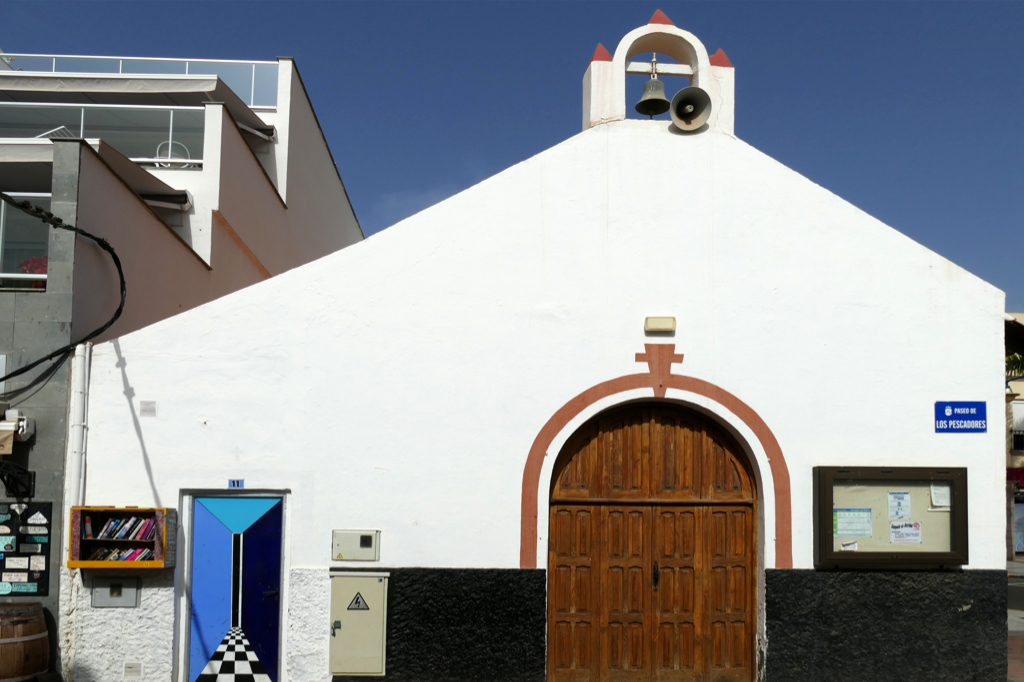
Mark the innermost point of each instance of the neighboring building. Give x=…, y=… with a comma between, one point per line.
x=205, y=176
x=480, y=384
x=1015, y=441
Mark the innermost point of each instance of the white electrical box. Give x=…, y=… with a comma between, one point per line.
x=356, y=545
x=359, y=603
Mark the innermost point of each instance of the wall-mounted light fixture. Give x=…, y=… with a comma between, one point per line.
x=659, y=325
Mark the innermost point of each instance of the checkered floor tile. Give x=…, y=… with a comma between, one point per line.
x=234, y=661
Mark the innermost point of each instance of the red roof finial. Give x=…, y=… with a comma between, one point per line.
x=601, y=54
x=719, y=59
x=660, y=18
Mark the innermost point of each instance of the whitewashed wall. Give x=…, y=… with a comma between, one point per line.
x=399, y=384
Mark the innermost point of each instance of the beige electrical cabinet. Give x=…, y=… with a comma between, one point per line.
x=359, y=603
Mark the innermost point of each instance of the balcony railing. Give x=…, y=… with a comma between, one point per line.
x=159, y=136
x=254, y=82
x=23, y=245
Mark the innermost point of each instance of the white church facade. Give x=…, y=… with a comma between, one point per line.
x=579, y=411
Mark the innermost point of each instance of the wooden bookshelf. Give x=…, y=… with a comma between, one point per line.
x=163, y=544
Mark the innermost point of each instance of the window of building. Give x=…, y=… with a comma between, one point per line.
x=23, y=245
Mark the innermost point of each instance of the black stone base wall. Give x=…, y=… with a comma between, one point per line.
x=465, y=625
x=847, y=626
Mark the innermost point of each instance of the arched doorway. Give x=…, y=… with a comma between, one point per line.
x=652, y=552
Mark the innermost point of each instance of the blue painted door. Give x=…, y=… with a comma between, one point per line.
x=261, y=585
x=235, y=587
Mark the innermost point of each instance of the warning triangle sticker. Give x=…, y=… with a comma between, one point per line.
x=358, y=603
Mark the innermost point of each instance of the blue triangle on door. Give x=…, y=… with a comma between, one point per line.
x=238, y=513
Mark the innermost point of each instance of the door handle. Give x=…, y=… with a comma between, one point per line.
x=336, y=625
x=657, y=575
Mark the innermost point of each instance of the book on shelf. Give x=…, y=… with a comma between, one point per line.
x=115, y=525
x=137, y=554
x=122, y=533
x=88, y=528
x=140, y=531
x=106, y=527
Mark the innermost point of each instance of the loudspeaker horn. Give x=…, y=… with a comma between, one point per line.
x=690, y=108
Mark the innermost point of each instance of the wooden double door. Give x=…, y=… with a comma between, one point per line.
x=652, y=560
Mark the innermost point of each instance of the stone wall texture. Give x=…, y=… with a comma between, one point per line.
x=846, y=626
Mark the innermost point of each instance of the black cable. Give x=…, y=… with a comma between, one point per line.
x=50, y=219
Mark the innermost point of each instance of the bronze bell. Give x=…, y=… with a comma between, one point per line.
x=653, y=101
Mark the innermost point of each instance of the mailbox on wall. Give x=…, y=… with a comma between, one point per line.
x=878, y=517
x=359, y=603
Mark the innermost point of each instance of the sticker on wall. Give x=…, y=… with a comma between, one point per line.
x=16, y=562
x=33, y=530
x=37, y=562
x=25, y=587
x=960, y=417
x=14, y=577
x=19, y=509
x=8, y=543
x=851, y=522
x=30, y=549
x=848, y=546
x=5, y=530
x=899, y=505
x=901, y=532
x=37, y=538
x=37, y=519
x=358, y=603
x=5, y=588
x=5, y=517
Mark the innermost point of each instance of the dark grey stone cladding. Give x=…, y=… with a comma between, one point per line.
x=32, y=324
x=465, y=625
x=845, y=626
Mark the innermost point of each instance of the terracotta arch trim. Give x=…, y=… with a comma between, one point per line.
x=659, y=357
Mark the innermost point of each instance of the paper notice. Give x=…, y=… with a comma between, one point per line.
x=17, y=562
x=848, y=546
x=38, y=563
x=903, y=532
x=15, y=577
x=851, y=522
x=942, y=495
x=899, y=505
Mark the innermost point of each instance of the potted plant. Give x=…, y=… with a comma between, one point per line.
x=34, y=265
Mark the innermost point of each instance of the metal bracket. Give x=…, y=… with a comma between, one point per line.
x=18, y=481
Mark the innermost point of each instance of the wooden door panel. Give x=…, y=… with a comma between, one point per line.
x=726, y=476
x=676, y=440
x=729, y=593
x=626, y=593
x=676, y=597
x=573, y=592
x=624, y=447
x=581, y=475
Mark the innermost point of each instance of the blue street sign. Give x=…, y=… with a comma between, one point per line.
x=960, y=417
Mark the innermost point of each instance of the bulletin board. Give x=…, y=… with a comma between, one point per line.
x=880, y=516
x=890, y=517
x=25, y=537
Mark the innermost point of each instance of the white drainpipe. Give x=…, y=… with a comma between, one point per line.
x=79, y=429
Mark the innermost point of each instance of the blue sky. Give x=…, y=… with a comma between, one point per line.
x=912, y=111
